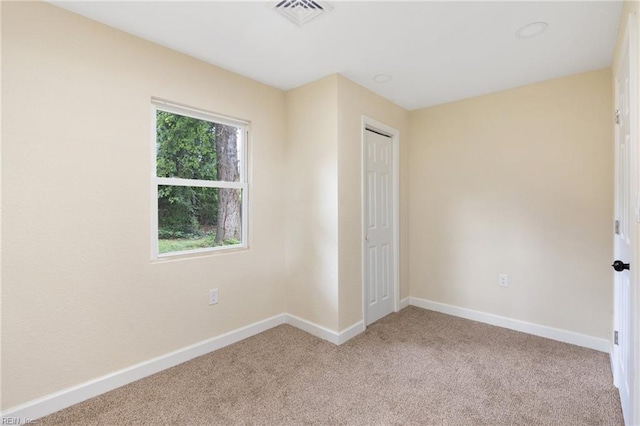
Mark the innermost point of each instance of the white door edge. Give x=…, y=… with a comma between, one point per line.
x=631, y=406
x=632, y=40
x=370, y=123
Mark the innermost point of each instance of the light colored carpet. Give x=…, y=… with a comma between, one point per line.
x=413, y=367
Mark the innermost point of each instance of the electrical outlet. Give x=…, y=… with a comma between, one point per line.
x=503, y=280
x=213, y=296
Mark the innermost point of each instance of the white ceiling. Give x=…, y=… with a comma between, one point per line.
x=437, y=52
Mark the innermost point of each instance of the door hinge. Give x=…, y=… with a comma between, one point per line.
x=617, y=227
x=615, y=337
x=617, y=116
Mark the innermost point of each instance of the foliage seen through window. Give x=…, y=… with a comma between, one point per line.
x=195, y=211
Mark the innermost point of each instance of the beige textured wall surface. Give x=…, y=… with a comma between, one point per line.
x=80, y=297
x=517, y=182
x=354, y=101
x=312, y=202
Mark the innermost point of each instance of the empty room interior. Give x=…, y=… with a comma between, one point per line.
x=310, y=212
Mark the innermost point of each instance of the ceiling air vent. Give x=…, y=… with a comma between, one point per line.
x=301, y=11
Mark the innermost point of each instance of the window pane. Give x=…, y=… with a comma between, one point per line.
x=190, y=148
x=194, y=218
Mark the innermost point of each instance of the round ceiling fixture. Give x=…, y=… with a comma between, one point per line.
x=382, y=78
x=531, y=30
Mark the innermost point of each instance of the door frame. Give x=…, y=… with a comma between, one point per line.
x=370, y=123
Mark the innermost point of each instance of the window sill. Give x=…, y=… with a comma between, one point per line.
x=199, y=253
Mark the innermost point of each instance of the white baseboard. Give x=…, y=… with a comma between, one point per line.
x=323, y=332
x=312, y=328
x=405, y=302
x=351, y=332
x=566, y=336
x=67, y=397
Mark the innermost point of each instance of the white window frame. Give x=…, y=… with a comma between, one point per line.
x=160, y=105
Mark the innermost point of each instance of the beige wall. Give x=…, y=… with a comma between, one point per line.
x=324, y=124
x=312, y=203
x=80, y=297
x=517, y=182
x=355, y=101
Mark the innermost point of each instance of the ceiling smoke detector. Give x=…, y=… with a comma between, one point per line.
x=532, y=30
x=301, y=11
x=382, y=78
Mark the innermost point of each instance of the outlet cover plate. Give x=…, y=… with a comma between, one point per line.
x=503, y=280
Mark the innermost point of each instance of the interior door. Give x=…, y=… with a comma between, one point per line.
x=379, y=258
x=624, y=232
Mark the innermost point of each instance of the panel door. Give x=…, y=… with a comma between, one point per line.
x=623, y=235
x=379, y=259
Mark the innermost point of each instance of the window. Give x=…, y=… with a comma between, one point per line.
x=199, y=182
